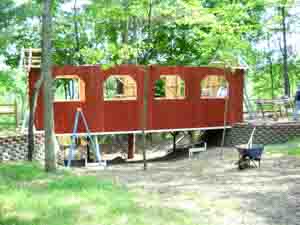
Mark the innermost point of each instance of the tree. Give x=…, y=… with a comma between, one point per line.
x=275, y=71
x=183, y=32
x=287, y=88
x=50, y=154
x=32, y=107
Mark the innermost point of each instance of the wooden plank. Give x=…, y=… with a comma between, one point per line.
x=7, y=113
x=36, y=61
x=146, y=131
x=33, y=50
x=10, y=105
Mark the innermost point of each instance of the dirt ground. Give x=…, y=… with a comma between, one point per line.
x=212, y=191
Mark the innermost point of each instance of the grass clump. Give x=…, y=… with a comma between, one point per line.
x=29, y=196
x=292, y=148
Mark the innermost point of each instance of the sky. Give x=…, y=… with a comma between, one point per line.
x=68, y=6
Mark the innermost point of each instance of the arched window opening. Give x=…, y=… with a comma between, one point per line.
x=214, y=86
x=68, y=88
x=120, y=87
x=169, y=87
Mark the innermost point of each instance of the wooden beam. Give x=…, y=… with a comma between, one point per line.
x=131, y=146
x=33, y=50
x=148, y=131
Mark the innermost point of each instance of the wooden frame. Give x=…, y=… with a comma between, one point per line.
x=170, y=93
x=81, y=88
x=210, y=86
x=11, y=109
x=129, y=88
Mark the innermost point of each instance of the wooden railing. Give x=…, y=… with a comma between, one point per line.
x=10, y=109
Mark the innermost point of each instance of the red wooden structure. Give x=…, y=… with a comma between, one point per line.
x=194, y=111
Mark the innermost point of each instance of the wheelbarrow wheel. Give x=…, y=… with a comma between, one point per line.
x=244, y=163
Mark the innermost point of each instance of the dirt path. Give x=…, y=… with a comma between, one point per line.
x=214, y=192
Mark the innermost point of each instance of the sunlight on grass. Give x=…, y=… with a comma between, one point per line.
x=292, y=148
x=29, y=196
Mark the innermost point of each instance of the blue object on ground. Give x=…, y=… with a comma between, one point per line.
x=75, y=135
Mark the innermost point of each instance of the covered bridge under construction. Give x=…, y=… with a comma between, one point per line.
x=177, y=97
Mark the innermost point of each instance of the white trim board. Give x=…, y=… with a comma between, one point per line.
x=146, y=131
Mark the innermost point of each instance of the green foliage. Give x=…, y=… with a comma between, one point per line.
x=263, y=81
x=66, y=89
x=30, y=196
x=111, y=87
x=12, y=80
x=169, y=32
x=292, y=147
x=12, y=89
x=159, y=88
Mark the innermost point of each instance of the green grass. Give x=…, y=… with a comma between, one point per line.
x=28, y=196
x=292, y=148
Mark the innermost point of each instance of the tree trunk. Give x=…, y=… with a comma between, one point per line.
x=271, y=77
x=269, y=57
x=33, y=102
x=145, y=115
x=285, y=56
x=50, y=155
x=76, y=30
x=146, y=92
x=225, y=117
x=65, y=85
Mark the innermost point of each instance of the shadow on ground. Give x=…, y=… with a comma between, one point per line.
x=216, y=189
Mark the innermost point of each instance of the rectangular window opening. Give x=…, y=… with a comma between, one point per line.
x=67, y=89
x=169, y=87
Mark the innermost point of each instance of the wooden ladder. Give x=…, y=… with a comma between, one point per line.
x=31, y=58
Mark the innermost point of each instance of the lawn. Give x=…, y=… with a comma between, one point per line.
x=292, y=148
x=29, y=196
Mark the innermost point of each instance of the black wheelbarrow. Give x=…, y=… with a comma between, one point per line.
x=249, y=155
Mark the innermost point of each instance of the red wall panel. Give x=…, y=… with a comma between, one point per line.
x=105, y=116
x=124, y=115
x=169, y=113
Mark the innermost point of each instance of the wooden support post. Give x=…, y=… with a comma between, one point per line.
x=131, y=146
x=88, y=150
x=174, y=134
x=174, y=142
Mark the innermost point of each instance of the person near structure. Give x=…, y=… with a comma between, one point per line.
x=297, y=103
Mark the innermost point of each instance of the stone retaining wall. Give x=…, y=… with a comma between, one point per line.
x=14, y=147
x=264, y=134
